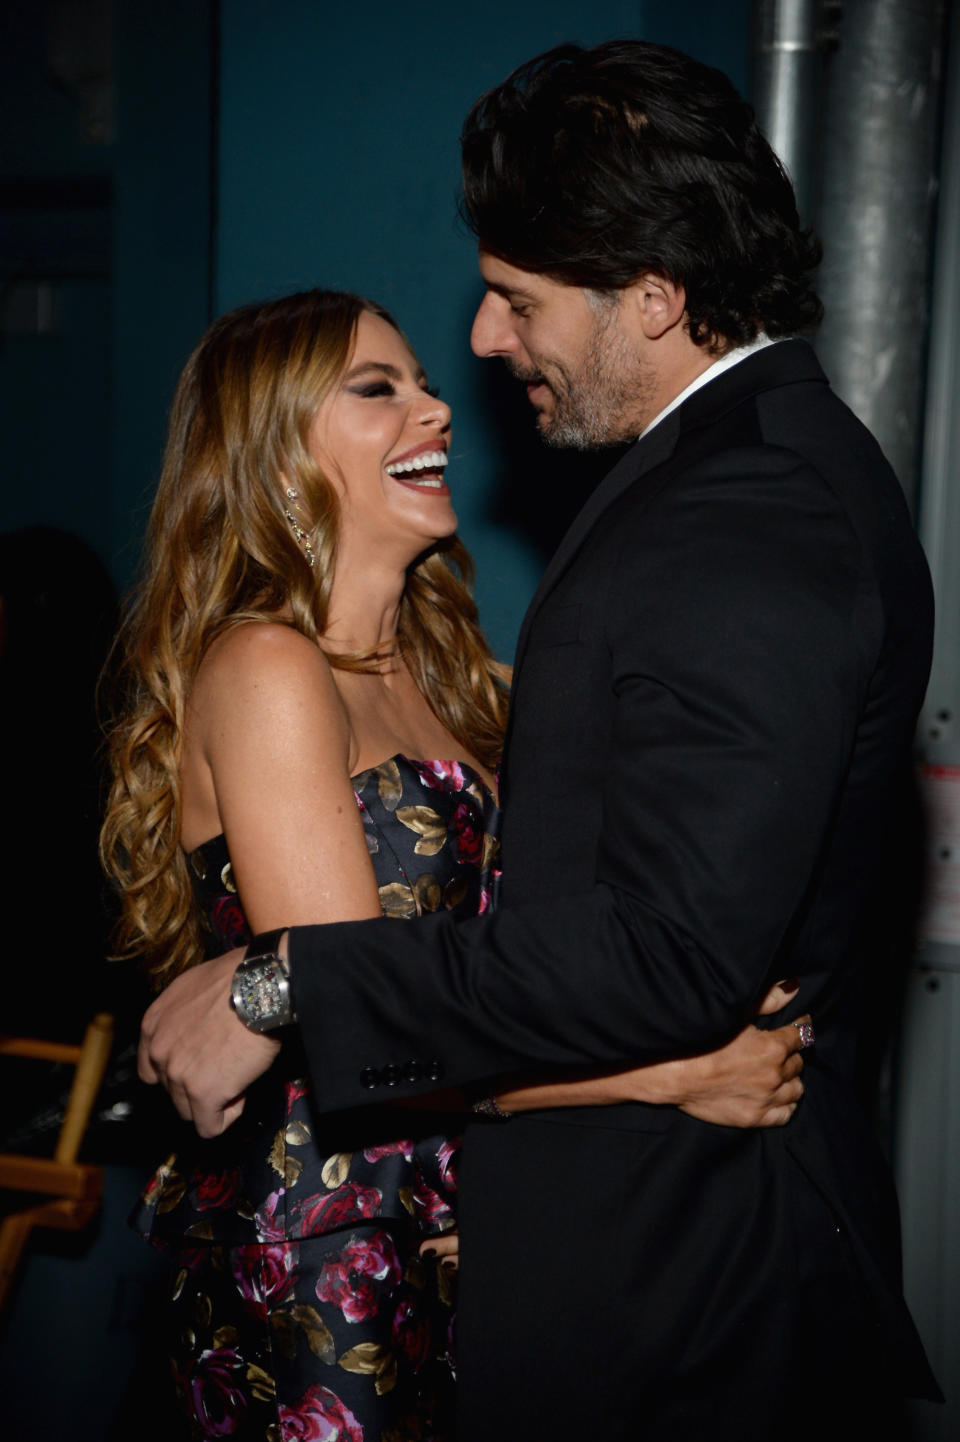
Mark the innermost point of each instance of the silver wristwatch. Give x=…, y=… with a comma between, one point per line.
x=260, y=994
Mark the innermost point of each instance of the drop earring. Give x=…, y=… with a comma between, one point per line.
x=302, y=536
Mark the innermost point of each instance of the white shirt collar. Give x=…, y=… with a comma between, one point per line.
x=732, y=358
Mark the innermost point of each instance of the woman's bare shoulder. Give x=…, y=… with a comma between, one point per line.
x=258, y=654
x=265, y=671
x=263, y=646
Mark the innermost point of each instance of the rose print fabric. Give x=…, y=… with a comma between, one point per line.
x=339, y=1338
x=301, y=1309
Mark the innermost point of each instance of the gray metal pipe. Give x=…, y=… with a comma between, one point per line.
x=878, y=192
x=927, y=1135
x=790, y=38
x=940, y=486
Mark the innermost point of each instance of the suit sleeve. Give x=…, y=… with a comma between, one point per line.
x=742, y=625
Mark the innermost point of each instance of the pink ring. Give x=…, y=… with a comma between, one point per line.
x=807, y=1037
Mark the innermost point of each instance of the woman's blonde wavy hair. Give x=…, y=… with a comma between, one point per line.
x=220, y=551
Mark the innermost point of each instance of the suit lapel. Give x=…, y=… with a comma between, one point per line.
x=783, y=364
x=786, y=363
x=644, y=456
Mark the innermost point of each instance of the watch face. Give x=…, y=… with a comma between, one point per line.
x=259, y=992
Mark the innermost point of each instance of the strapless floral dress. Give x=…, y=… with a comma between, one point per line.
x=301, y=1307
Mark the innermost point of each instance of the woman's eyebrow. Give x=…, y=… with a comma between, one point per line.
x=383, y=367
x=392, y=372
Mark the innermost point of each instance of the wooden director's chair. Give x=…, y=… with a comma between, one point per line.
x=64, y=1193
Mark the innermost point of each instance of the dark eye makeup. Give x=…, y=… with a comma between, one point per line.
x=372, y=390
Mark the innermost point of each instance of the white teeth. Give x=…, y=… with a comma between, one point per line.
x=426, y=461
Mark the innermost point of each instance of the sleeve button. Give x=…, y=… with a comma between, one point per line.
x=432, y=1070
x=412, y=1071
x=369, y=1078
x=390, y=1075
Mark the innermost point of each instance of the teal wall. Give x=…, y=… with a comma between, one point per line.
x=260, y=148
x=119, y=226
x=162, y=258
x=54, y=408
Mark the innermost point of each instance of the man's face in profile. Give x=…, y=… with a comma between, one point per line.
x=569, y=347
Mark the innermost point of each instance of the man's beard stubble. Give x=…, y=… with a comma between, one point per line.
x=592, y=403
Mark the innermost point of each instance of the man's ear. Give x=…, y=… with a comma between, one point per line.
x=658, y=304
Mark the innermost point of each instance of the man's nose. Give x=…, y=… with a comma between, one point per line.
x=492, y=333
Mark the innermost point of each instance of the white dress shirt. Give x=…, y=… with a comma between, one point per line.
x=732, y=358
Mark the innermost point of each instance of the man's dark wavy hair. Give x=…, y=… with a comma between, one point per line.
x=594, y=166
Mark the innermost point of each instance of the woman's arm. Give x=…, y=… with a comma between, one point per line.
x=270, y=734
x=266, y=759
x=753, y=1081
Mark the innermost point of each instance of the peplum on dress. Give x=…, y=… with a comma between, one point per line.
x=300, y=1306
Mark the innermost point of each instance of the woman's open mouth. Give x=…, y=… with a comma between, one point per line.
x=424, y=471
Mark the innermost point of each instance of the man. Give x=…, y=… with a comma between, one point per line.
x=716, y=688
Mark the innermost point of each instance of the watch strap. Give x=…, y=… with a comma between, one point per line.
x=267, y=943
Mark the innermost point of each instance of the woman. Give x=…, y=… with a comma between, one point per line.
x=301, y=649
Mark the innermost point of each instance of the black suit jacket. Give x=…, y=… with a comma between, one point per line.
x=716, y=687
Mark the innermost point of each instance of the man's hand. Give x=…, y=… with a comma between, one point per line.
x=193, y=1042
